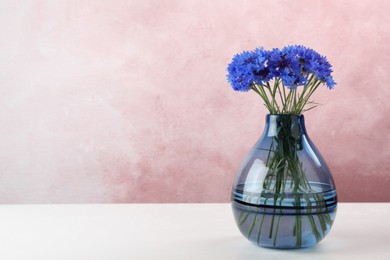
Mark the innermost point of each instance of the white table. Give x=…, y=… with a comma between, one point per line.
x=174, y=231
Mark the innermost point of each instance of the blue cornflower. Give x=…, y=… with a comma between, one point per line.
x=286, y=64
x=276, y=62
x=330, y=82
x=302, y=61
x=313, y=62
x=261, y=71
x=248, y=68
x=240, y=74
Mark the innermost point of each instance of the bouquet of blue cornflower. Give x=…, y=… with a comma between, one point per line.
x=276, y=75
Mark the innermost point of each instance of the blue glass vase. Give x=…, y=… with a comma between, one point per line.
x=284, y=195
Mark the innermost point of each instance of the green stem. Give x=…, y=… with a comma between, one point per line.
x=307, y=96
x=261, y=226
x=277, y=229
x=244, y=219
x=273, y=95
x=260, y=90
x=252, y=226
x=284, y=97
x=280, y=95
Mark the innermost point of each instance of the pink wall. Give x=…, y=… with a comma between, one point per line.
x=126, y=101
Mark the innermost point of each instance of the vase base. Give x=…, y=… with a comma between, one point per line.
x=282, y=231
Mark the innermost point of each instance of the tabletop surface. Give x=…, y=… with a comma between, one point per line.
x=174, y=231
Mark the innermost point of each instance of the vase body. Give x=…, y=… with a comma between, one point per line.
x=284, y=195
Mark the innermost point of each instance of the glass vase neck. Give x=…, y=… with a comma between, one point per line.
x=293, y=125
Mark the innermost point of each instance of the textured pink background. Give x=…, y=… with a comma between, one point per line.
x=126, y=101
